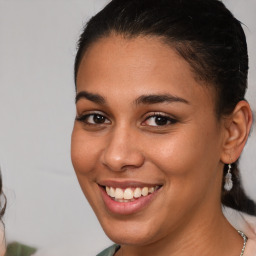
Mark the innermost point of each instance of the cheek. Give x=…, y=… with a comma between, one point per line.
x=84, y=152
x=188, y=165
x=187, y=158
x=84, y=155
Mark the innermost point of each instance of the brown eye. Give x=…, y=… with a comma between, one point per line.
x=159, y=120
x=93, y=119
x=98, y=119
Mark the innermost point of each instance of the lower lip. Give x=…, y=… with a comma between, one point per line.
x=128, y=207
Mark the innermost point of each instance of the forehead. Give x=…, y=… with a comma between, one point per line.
x=118, y=64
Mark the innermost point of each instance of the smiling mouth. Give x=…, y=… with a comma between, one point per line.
x=129, y=194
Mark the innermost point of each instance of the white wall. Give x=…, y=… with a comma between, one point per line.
x=37, y=46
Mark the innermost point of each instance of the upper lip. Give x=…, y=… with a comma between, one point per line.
x=126, y=184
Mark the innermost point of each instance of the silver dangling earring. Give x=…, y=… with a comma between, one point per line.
x=228, y=180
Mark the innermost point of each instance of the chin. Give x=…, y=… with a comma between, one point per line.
x=129, y=238
x=123, y=232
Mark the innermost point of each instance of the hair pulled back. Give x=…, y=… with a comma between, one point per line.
x=204, y=33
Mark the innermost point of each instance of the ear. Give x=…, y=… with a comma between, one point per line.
x=237, y=129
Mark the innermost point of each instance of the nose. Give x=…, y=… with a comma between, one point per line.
x=122, y=151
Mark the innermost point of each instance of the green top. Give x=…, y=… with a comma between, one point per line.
x=18, y=249
x=110, y=251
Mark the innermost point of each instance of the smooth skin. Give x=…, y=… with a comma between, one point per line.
x=176, y=142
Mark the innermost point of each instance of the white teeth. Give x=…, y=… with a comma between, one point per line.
x=151, y=190
x=137, y=193
x=144, y=191
x=124, y=200
x=128, y=194
x=112, y=192
x=119, y=194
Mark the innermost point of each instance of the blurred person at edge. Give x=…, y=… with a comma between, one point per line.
x=161, y=122
x=2, y=210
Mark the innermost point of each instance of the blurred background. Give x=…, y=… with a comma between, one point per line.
x=46, y=208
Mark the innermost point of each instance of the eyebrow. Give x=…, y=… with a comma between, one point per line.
x=96, y=98
x=143, y=99
x=159, y=98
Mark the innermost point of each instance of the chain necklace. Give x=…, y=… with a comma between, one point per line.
x=240, y=233
x=245, y=241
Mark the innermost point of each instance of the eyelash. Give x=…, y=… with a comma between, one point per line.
x=164, y=117
x=84, y=118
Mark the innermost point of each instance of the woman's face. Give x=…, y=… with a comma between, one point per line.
x=146, y=143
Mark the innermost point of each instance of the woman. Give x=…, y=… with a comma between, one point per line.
x=161, y=122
